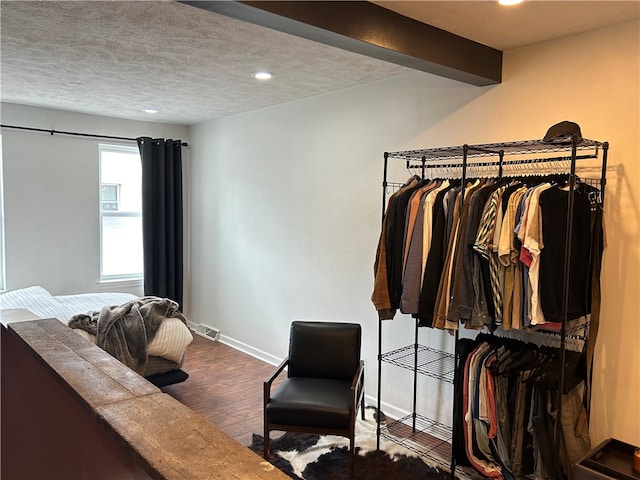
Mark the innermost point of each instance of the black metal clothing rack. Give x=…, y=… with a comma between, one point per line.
x=443, y=365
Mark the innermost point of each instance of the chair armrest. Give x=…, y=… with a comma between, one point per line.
x=357, y=386
x=272, y=377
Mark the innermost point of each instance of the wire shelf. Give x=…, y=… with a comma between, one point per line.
x=492, y=149
x=431, y=362
x=429, y=439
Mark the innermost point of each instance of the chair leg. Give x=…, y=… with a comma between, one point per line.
x=265, y=443
x=352, y=456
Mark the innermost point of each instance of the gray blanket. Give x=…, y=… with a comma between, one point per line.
x=125, y=330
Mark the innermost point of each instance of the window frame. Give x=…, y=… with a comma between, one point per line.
x=3, y=270
x=136, y=278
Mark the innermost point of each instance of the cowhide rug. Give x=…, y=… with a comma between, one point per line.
x=305, y=456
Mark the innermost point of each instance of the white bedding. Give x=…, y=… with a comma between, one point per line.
x=170, y=341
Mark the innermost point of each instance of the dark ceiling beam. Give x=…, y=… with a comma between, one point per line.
x=371, y=30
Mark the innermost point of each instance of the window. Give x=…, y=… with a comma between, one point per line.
x=2, y=265
x=120, y=213
x=109, y=196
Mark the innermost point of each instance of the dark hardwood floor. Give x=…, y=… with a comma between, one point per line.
x=224, y=386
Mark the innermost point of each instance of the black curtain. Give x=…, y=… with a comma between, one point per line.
x=162, y=217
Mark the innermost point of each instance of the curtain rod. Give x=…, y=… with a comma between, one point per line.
x=91, y=135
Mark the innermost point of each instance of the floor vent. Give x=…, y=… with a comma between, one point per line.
x=206, y=331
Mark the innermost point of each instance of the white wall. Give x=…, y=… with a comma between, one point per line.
x=286, y=204
x=51, y=189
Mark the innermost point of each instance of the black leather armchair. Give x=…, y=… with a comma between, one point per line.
x=324, y=387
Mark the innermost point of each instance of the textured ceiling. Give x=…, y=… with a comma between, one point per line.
x=116, y=58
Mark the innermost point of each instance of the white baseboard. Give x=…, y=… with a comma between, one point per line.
x=249, y=350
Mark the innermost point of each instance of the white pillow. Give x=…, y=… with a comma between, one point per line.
x=171, y=340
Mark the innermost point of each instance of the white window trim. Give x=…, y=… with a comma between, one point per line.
x=129, y=280
x=109, y=285
x=3, y=271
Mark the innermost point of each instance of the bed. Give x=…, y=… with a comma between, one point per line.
x=163, y=355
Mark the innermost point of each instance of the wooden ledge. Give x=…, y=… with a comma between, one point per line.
x=191, y=446
x=152, y=431
x=88, y=373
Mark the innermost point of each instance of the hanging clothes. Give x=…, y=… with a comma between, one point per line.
x=412, y=264
x=554, y=210
x=381, y=296
x=508, y=411
x=496, y=261
x=434, y=263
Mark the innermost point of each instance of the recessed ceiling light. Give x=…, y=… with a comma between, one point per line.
x=150, y=110
x=262, y=75
x=510, y=2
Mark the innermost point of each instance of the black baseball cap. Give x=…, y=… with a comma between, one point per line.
x=563, y=132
